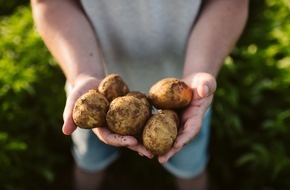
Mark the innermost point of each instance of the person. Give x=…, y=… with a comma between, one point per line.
x=143, y=42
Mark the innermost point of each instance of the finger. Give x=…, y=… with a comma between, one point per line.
x=141, y=150
x=164, y=158
x=190, y=130
x=203, y=90
x=181, y=141
x=114, y=139
x=70, y=101
x=69, y=126
x=205, y=84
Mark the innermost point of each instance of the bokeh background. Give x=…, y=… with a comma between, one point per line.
x=250, y=136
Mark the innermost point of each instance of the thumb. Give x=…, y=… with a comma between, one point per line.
x=205, y=84
x=68, y=127
x=203, y=90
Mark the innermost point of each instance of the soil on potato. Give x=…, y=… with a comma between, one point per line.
x=130, y=172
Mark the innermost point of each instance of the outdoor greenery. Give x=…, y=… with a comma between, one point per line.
x=7, y=7
x=31, y=103
x=251, y=125
x=251, y=122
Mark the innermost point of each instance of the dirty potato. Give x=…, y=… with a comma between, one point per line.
x=90, y=110
x=142, y=97
x=160, y=133
x=172, y=114
x=170, y=93
x=127, y=115
x=113, y=86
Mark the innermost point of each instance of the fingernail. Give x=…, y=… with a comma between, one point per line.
x=140, y=154
x=206, y=90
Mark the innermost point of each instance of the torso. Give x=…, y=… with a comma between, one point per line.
x=143, y=40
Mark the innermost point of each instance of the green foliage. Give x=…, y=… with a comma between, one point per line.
x=251, y=125
x=31, y=103
x=8, y=6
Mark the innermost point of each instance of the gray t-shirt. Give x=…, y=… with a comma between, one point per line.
x=142, y=40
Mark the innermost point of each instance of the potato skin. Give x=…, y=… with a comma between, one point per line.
x=142, y=97
x=172, y=114
x=159, y=133
x=127, y=115
x=90, y=110
x=170, y=93
x=113, y=86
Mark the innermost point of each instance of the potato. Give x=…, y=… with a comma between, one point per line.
x=90, y=110
x=160, y=132
x=172, y=114
x=127, y=115
x=170, y=93
x=113, y=86
x=142, y=97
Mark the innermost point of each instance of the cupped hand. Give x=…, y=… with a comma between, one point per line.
x=113, y=139
x=82, y=85
x=204, y=86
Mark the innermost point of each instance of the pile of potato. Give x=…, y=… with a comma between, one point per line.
x=127, y=112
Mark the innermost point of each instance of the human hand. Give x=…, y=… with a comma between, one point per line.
x=204, y=86
x=82, y=85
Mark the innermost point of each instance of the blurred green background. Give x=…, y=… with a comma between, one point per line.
x=251, y=123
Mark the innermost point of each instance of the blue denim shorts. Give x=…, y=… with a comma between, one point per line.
x=91, y=154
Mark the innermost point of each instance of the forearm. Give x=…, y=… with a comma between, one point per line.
x=215, y=33
x=69, y=37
